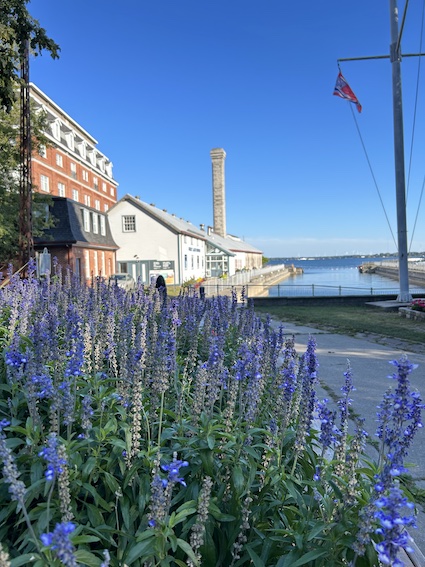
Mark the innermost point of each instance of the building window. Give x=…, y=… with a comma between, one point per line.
x=59, y=160
x=192, y=261
x=74, y=170
x=197, y=262
x=87, y=200
x=95, y=223
x=42, y=151
x=86, y=219
x=56, y=130
x=103, y=261
x=44, y=183
x=61, y=189
x=102, y=226
x=85, y=175
x=106, y=207
x=112, y=191
x=87, y=263
x=75, y=194
x=185, y=261
x=97, y=204
x=129, y=223
x=104, y=186
x=96, y=183
x=96, y=263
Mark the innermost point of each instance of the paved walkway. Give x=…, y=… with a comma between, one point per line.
x=369, y=361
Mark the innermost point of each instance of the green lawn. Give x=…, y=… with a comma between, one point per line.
x=350, y=320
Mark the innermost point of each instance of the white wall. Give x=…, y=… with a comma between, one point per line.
x=154, y=241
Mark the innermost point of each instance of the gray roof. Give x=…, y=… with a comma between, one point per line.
x=233, y=243
x=180, y=226
x=69, y=227
x=174, y=223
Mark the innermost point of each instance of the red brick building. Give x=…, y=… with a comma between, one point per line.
x=73, y=169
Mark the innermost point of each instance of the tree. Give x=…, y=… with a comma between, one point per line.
x=20, y=33
x=9, y=182
x=17, y=27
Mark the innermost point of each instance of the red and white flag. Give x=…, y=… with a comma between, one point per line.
x=343, y=89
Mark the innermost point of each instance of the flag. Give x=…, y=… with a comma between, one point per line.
x=342, y=89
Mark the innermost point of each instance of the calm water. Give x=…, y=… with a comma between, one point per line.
x=334, y=276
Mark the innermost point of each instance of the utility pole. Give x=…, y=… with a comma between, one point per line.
x=400, y=178
x=26, y=242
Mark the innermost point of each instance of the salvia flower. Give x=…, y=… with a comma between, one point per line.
x=59, y=542
x=51, y=454
x=10, y=470
x=392, y=526
x=173, y=471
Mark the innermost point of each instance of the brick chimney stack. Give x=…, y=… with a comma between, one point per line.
x=218, y=156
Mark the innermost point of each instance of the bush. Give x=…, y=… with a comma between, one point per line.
x=138, y=432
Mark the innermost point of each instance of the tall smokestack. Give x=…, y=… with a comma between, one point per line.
x=218, y=156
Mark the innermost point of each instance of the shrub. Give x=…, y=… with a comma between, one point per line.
x=138, y=432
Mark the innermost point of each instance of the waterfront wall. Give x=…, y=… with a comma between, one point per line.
x=389, y=269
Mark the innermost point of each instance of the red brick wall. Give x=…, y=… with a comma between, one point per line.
x=47, y=166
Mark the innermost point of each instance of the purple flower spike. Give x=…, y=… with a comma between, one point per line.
x=59, y=542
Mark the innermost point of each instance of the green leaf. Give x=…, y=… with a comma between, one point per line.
x=255, y=558
x=84, y=539
x=184, y=546
x=140, y=549
x=310, y=556
x=211, y=442
x=86, y=558
x=95, y=517
x=218, y=514
x=180, y=516
x=26, y=559
x=238, y=480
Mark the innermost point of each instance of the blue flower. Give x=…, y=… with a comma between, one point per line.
x=173, y=471
x=59, y=542
x=55, y=463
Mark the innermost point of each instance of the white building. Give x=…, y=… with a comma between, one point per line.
x=152, y=241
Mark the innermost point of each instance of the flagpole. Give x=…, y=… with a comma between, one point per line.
x=395, y=57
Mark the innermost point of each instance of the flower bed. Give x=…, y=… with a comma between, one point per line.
x=415, y=311
x=141, y=432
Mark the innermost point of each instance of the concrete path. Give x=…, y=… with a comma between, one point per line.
x=370, y=366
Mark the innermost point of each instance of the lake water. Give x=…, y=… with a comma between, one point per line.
x=334, y=276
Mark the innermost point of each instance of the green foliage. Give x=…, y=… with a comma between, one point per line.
x=9, y=183
x=17, y=27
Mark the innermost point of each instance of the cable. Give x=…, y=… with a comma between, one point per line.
x=371, y=171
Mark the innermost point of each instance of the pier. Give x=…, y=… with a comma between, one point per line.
x=390, y=269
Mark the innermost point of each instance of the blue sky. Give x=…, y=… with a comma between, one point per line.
x=161, y=83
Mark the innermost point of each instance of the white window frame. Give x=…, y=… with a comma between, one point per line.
x=102, y=227
x=61, y=189
x=44, y=183
x=59, y=160
x=73, y=170
x=42, y=151
x=95, y=223
x=85, y=175
x=97, y=204
x=87, y=263
x=75, y=194
x=86, y=219
x=129, y=223
x=87, y=200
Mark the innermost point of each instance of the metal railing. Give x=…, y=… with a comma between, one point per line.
x=313, y=290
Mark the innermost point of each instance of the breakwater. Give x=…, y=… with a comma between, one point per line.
x=389, y=269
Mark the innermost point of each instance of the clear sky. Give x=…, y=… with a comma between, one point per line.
x=160, y=83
